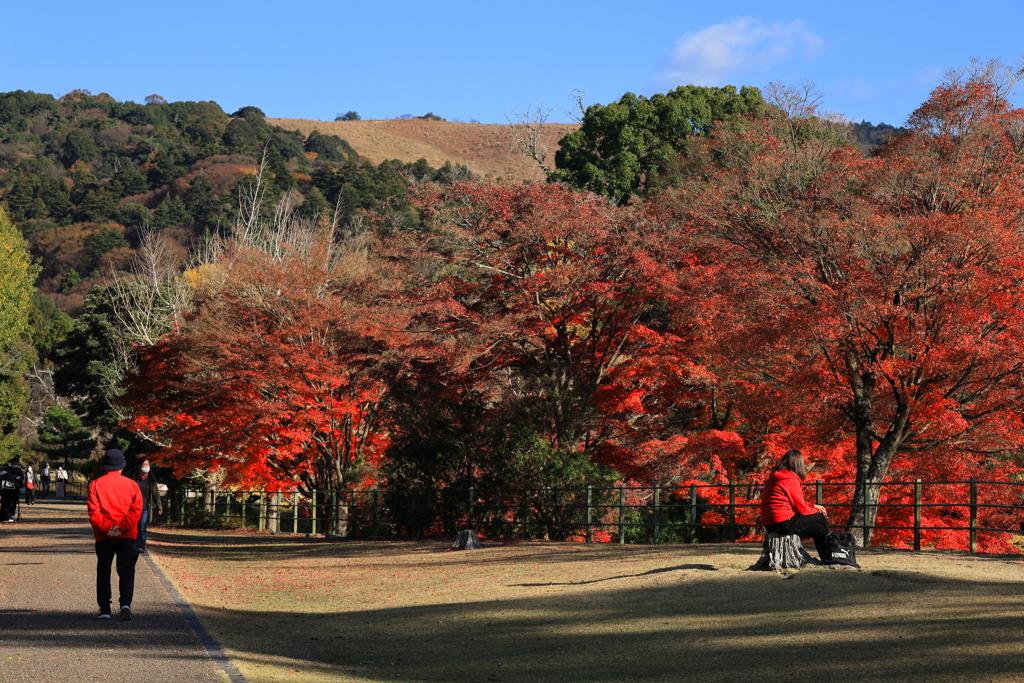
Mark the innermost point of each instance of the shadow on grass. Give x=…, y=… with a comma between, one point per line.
x=245, y=547
x=741, y=627
x=660, y=570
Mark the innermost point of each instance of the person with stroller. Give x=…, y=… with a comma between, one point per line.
x=11, y=480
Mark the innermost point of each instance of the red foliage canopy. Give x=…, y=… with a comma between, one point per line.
x=273, y=378
x=876, y=304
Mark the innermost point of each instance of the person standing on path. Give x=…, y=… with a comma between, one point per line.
x=115, y=506
x=62, y=481
x=150, y=501
x=11, y=481
x=44, y=477
x=30, y=487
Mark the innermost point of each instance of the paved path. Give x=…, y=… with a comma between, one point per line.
x=48, y=625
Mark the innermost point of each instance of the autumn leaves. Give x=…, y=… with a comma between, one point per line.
x=784, y=291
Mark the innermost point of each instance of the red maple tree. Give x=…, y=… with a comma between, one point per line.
x=550, y=306
x=274, y=377
x=874, y=305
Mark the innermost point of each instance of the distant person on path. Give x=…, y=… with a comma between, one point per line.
x=30, y=487
x=783, y=508
x=30, y=490
x=44, y=477
x=62, y=481
x=11, y=481
x=150, y=500
x=115, y=506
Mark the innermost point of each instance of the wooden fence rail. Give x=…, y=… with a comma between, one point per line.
x=693, y=513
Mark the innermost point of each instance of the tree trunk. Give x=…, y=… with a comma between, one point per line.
x=209, y=492
x=272, y=512
x=781, y=552
x=872, y=461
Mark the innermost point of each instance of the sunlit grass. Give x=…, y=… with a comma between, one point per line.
x=294, y=609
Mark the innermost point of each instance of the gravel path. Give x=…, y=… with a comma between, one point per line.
x=48, y=625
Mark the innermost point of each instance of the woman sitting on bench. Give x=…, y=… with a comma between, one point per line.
x=783, y=508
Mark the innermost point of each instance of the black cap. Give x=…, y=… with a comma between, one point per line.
x=113, y=460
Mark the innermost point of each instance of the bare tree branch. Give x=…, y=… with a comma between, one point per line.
x=527, y=134
x=577, y=113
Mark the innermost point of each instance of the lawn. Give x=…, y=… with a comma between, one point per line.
x=295, y=609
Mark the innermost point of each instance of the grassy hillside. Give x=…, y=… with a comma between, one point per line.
x=487, y=149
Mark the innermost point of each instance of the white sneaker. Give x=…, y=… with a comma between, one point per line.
x=104, y=615
x=126, y=613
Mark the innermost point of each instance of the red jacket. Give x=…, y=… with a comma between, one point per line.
x=114, y=501
x=783, y=498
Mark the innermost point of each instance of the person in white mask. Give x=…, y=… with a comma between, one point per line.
x=150, y=501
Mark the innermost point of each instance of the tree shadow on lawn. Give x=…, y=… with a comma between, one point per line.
x=81, y=630
x=817, y=625
x=234, y=546
x=46, y=539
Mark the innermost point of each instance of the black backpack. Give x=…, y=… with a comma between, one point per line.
x=839, y=547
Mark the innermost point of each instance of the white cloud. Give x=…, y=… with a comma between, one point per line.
x=857, y=89
x=712, y=55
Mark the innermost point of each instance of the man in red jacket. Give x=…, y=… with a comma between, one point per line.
x=115, y=506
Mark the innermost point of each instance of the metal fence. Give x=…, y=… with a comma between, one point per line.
x=916, y=512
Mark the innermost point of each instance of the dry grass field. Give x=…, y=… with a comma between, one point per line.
x=297, y=609
x=487, y=149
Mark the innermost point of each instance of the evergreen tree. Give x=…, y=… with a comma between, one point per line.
x=314, y=204
x=128, y=181
x=63, y=436
x=171, y=211
x=97, y=206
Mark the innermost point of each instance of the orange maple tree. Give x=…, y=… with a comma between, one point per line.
x=873, y=305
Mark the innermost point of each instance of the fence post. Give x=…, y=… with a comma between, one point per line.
x=732, y=511
x=376, y=522
x=313, y=512
x=693, y=512
x=558, y=512
x=657, y=513
x=974, y=515
x=497, y=513
x=622, y=515
x=524, y=513
x=817, y=493
x=469, y=521
x=261, y=525
x=917, y=514
x=590, y=510
x=243, y=498
x=332, y=524
x=295, y=512
x=277, y=512
x=865, y=531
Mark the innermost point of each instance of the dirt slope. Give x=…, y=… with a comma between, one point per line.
x=488, y=149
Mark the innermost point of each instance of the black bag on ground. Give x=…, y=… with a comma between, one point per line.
x=839, y=547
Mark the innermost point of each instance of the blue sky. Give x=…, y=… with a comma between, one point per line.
x=476, y=60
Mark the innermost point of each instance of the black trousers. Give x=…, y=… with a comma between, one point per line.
x=127, y=554
x=8, y=501
x=806, y=526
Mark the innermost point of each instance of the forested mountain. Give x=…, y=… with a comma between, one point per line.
x=82, y=175
x=870, y=137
